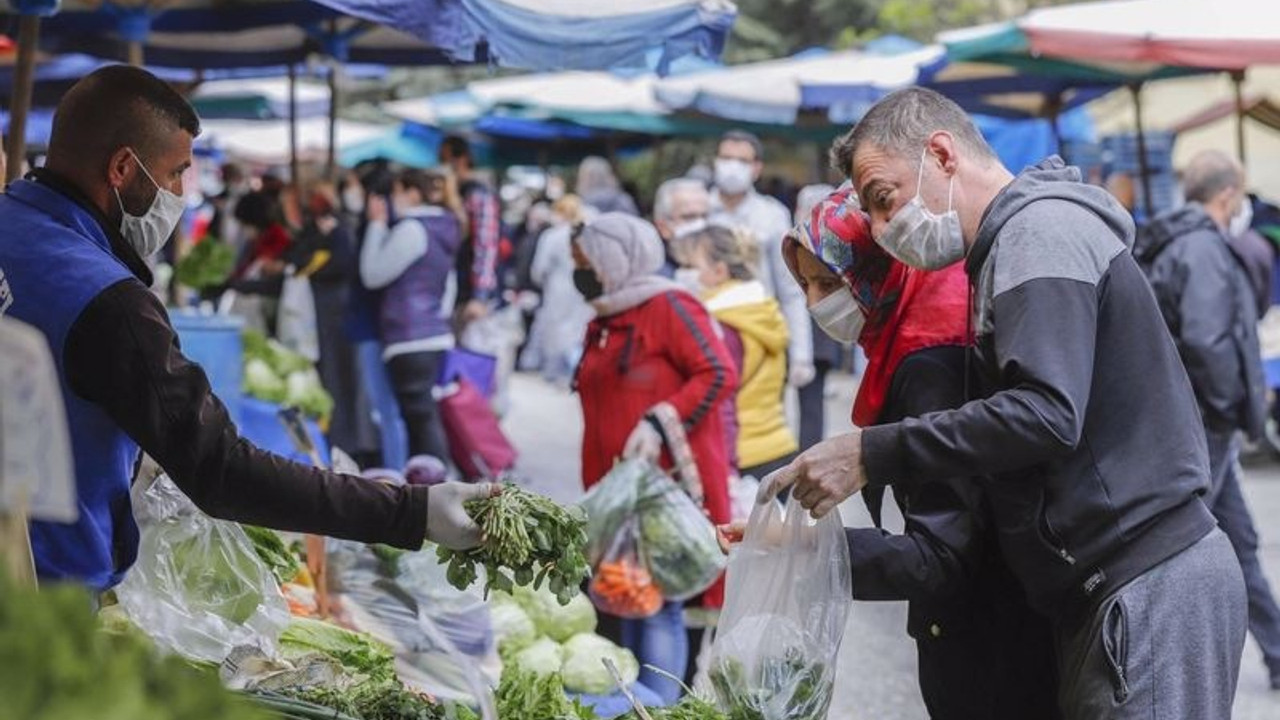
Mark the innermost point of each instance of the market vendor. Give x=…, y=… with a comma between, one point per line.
x=72, y=247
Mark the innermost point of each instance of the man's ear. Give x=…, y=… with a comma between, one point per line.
x=121, y=167
x=942, y=146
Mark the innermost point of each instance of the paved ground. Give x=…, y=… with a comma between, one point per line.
x=877, y=662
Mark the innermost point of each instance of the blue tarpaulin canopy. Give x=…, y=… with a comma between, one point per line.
x=582, y=34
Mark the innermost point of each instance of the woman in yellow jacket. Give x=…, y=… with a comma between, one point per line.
x=721, y=264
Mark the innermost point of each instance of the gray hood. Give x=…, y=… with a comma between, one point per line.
x=1050, y=179
x=1170, y=226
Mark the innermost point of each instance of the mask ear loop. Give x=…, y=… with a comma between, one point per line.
x=924, y=151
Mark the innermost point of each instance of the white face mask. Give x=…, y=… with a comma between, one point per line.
x=839, y=316
x=733, y=176
x=688, y=227
x=688, y=278
x=1242, y=220
x=148, y=233
x=920, y=238
x=353, y=199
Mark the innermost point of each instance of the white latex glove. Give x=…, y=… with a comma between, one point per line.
x=801, y=374
x=448, y=523
x=644, y=443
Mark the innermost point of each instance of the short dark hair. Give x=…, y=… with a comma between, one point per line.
x=113, y=107
x=902, y=122
x=757, y=147
x=256, y=209
x=457, y=146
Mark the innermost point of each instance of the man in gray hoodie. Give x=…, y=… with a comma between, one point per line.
x=1087, y=433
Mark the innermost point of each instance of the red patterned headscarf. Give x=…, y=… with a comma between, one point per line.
x=907, y=310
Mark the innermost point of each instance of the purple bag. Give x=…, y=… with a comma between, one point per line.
x=477, y=368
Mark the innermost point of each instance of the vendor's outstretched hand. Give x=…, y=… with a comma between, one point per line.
x=448, y=523
x=823, y=476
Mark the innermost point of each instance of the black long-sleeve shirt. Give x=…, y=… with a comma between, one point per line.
x=123, y=355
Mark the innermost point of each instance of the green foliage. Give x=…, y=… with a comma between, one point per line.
x=272, y=551
x=209, y=264
x=61, y=666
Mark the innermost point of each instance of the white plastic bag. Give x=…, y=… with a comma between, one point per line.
x=296, y=321
x=198, y=588
x=787, y=598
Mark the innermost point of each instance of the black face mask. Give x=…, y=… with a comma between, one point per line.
x=588, y=283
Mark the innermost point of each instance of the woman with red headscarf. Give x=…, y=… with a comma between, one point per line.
x=983, y=654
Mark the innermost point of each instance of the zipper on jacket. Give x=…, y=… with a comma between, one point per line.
x=1054, y=541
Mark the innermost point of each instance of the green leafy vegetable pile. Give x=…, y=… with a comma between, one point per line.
x=690, y=707
x=357, y=652
x=209, y=264
x=59, y=665
x=372, y=700
x=272, y=551
x=528, y=539
x=788, y=686
x=528, y=696
x=276, y=374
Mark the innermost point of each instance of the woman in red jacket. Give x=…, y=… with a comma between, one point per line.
x=651, y=380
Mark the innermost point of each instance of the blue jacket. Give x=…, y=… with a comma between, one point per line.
x=57, y=259
x=125, y=381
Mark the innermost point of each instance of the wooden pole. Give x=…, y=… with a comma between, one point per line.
x=1143, y=171
x=20, y=103
x=331, y=162
x=293, y=123
x=136, y=54
x=1237, y=82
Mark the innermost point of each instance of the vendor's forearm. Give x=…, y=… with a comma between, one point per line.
x=122, y=356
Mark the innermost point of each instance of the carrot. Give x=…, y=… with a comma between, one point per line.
x=624, y=589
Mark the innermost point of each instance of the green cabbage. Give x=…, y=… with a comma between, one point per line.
x=357, y=652
x=512, y=627
x=543, y=657
x=556, y=621
x=584, y=670
x=304, y=390
x=262, y=382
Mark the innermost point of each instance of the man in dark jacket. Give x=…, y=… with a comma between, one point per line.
x=71, y=248
x=1090, y=433
x=1204, y=291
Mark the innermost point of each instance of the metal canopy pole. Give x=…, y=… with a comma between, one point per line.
x=1237, y=81
x=20, y=103
x=1136, y=90
x=293, y=124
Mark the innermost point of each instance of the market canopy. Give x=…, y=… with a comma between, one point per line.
x=266, y=142
x=581, y=34
x=1217, y=34
x=777, y=91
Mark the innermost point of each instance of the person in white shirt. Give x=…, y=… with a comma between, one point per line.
x=735, y=203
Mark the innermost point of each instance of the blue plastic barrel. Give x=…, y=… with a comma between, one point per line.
x=213, y=342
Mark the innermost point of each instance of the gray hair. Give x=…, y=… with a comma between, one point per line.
x=902, y=122
x=665, y=196
x=595, y=174
x=1209, y=173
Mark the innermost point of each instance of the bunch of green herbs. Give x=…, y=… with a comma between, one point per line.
x=528, y=540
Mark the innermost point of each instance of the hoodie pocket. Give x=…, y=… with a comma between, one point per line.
x=1051, y=537
x=1115, y=648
